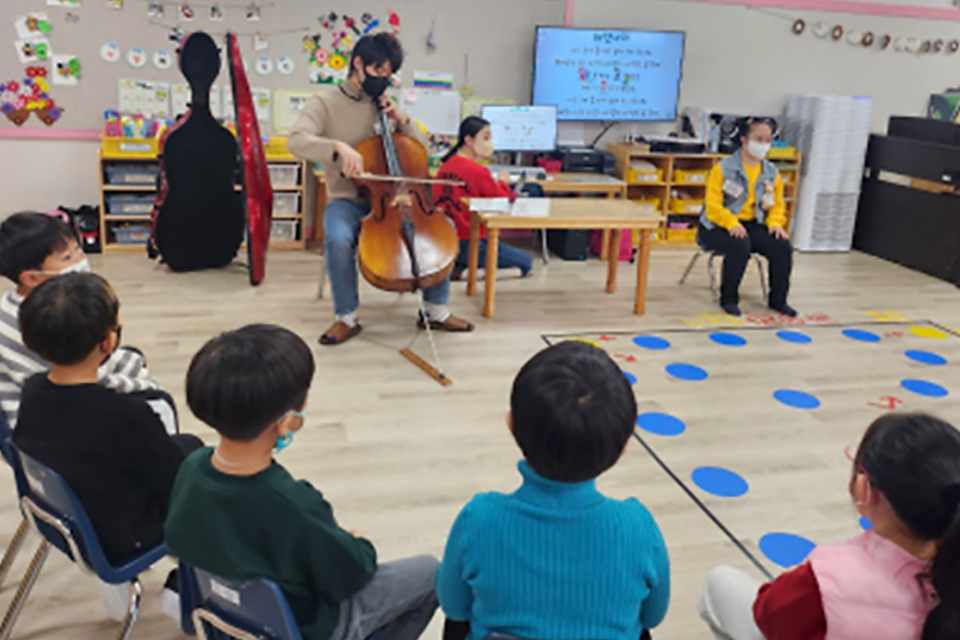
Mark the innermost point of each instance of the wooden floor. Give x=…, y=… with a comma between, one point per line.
x=398, y=455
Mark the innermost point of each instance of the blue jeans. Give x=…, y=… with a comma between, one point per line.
x=508, y=257
x=341, y=223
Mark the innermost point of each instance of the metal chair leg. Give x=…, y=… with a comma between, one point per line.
x=690, y=266
x=12, y=549
x=713, y=278
x=543, y=246
x=763, y=278
x=26, y=585
x=133, y=610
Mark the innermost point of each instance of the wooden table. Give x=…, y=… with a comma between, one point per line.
x=579, y=184
x=566, y=213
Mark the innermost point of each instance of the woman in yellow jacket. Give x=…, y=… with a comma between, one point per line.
x=744, y=212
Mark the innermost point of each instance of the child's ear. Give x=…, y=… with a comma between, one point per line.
x=510, y=421
x=30, y=280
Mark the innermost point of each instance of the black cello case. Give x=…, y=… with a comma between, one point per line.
x=198, y=218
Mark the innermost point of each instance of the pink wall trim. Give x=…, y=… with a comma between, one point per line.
x=49, y=134
x=846, y=6
x=568, y=13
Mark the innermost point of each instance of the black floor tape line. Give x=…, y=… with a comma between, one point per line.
x=704, y=508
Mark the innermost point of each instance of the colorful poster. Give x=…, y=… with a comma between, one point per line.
x=66, y=70
x=32, y=25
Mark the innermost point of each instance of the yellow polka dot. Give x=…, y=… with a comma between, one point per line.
x=929, y=332
x=590, y=342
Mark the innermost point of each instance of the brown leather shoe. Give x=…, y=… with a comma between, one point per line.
x=452, y=324
x=339, y=332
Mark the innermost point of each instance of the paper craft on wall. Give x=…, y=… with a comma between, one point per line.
x=32, y=25
x=260, y=43
x=31, y=95
x=435, y=109
x=253, y=13
x=63, y=3
x=110, y=52
x=264, y=66
x=140, y=97
x=162, y=59
x=186, y=12
x=286, y=108
x=262, y=102
x=155, y=10
x=136, y=57
x=286, y=65
x=66, y=70
x=216, y=13
x=33, y=51
x=115, y=4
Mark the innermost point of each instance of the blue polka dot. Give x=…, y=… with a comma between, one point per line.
x=925, y=357
x=786, y=549
x=686, y=371
x=865, y=524
x=651, y=342
x=728, y=339
x=796, y=399
x=719, y=482
x=662, y=424
x=632, y=379
x=794, y=336
x=861, y=335
x=924, y=388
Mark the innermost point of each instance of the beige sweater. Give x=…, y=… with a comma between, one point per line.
x=329, y=117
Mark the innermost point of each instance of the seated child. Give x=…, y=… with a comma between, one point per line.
x=897, y=581
x=35, y=247
x=239, y=514
x=109, y=447
x=557, y=559
x=461, y=165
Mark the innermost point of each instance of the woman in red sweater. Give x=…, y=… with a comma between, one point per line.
x=461, y=165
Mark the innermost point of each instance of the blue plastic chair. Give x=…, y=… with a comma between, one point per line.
x=218, y=609
x=54, y=509
x=6, y=450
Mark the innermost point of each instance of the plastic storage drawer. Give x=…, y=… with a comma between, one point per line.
x=130, y=205
x=283, y=230
x=132, y=234
x=286, y=203
x=131, y=175
x=284, y=175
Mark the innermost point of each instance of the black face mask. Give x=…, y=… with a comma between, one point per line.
x=374, y=86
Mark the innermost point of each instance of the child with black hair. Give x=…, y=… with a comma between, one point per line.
x=461, y=165
x=898, y=581
x=239, y=514
x=111, y=448
x=556, y=558
x=34, y=248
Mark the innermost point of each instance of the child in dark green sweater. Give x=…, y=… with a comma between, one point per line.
x=239, y=514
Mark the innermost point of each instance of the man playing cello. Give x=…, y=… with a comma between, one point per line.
x=330, y=125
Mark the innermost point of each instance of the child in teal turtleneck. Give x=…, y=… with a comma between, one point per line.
x=557, y=559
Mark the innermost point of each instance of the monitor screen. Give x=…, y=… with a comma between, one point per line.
x=604, y=74
x=522, y=128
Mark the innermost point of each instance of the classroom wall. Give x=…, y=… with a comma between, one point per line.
x=745, y=60
x=497, y=35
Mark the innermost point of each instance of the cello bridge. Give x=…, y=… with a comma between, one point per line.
x=401, y=200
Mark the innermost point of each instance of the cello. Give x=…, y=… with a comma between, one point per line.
x=406, y=243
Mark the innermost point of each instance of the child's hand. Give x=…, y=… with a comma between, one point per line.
x=355, y=534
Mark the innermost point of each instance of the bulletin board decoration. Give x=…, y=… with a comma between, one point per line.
x=924, y=9
x=286, y=108
x=330, y=47
x=836, y=34
x=29, y=95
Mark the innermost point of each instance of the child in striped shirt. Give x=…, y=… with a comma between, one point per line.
x=35, y=247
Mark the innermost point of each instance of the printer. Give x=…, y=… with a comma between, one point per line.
x=584, y=160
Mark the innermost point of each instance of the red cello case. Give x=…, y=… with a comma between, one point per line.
x=257, y=192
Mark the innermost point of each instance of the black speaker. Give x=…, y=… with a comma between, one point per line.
x=569, y=244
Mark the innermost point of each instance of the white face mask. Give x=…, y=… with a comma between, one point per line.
x=483, y=148
x=80, y=267
x=758, y=150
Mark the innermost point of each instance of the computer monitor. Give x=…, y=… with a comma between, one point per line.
x=522, y=128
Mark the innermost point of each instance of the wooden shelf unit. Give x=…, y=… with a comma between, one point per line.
x=109, y=221
x=686, y=173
